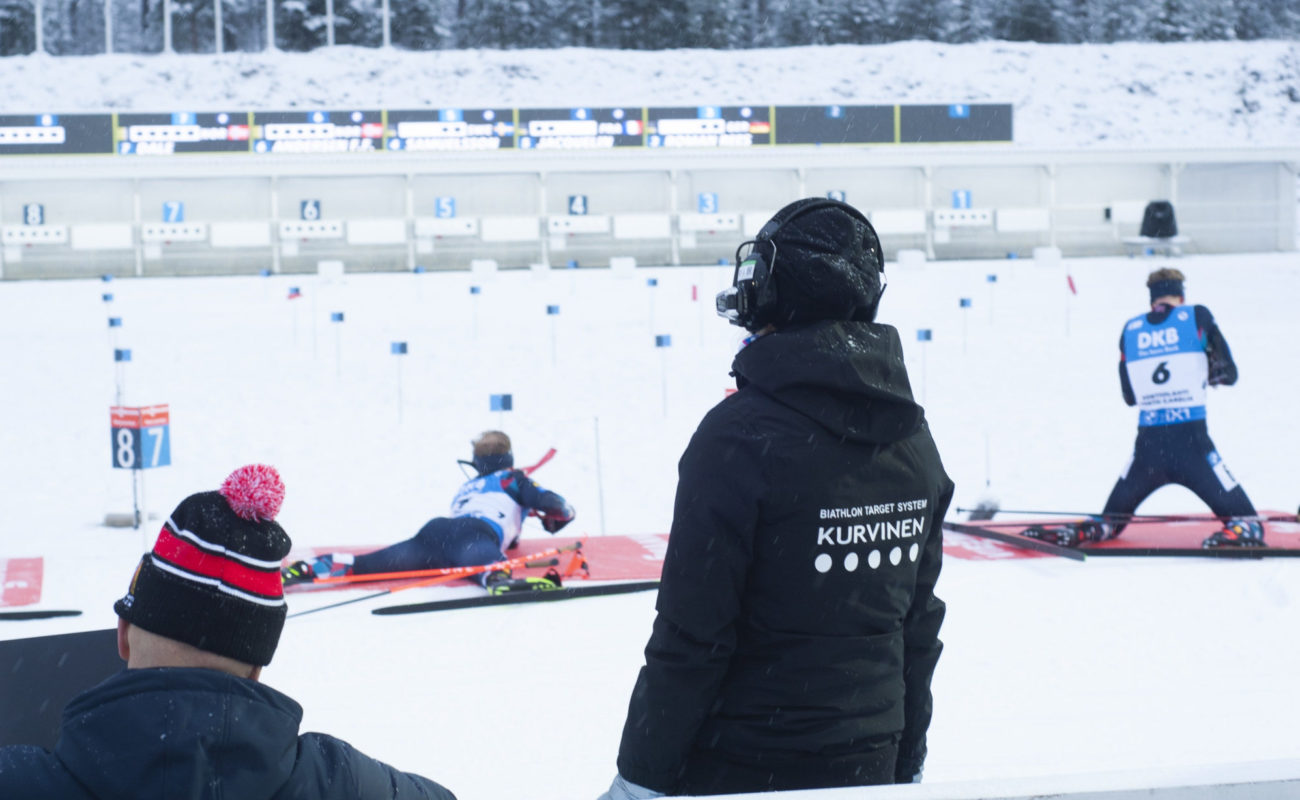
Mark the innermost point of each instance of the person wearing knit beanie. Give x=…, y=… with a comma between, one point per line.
x=212, y=579
x=189, y=719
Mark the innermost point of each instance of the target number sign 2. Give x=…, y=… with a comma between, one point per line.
x=141, y=436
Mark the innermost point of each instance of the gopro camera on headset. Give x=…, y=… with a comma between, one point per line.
x=735, y=302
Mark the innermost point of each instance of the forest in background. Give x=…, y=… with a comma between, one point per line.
x=86, y=27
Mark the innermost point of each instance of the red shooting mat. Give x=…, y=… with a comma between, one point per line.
x=1190, y=533
x=609, y=558
x=20, y=581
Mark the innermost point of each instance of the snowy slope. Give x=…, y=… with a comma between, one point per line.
x=1217, y=94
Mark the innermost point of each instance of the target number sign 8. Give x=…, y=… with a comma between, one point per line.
x=141, y=436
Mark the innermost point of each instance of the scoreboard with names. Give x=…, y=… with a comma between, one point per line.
x=282, y=132
x=709, y=126
x=489, y=129
x=182, y=132
x=580, y=128
x=451, y=129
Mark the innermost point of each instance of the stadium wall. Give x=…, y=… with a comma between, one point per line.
x=74, y=216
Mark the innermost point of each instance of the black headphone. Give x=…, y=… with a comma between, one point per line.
x=752, y=294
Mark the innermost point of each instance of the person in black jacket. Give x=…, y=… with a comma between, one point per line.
x=188, y=718
x=797, y=627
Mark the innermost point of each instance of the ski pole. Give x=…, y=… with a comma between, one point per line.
x=547, y=456
x=380, y=593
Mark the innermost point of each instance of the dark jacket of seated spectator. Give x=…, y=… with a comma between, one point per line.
x=188, y=719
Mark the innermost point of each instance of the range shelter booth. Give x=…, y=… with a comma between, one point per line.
x=439, y=189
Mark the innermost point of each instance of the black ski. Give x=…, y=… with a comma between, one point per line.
x=1083, y=552
x=40, y=614
x=1016, y=540
x=1201, y=552
x=511, y=598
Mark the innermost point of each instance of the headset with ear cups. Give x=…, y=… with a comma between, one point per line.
x=752, y=294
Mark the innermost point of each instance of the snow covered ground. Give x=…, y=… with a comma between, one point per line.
x=1051, y=667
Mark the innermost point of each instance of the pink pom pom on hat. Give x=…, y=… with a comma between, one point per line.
x=255, y=492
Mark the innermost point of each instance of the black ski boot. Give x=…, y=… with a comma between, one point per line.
x=1069, y=534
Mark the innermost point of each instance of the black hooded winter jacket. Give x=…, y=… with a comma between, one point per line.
x=797, y=628
x=191, y=734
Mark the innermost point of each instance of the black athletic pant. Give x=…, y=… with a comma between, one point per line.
x=1181, y=454
x=709, y=772
x=442, y=542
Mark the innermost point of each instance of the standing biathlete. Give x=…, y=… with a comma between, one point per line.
x=486, y=516
x=1168, y=359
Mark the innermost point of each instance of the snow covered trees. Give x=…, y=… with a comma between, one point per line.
x=75, y=27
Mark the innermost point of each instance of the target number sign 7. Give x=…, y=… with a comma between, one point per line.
x=141, y=436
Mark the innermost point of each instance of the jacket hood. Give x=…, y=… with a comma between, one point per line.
x=180, y=733
x=847, y=376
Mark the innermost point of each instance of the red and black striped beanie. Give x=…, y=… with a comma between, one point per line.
x=213, y=577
